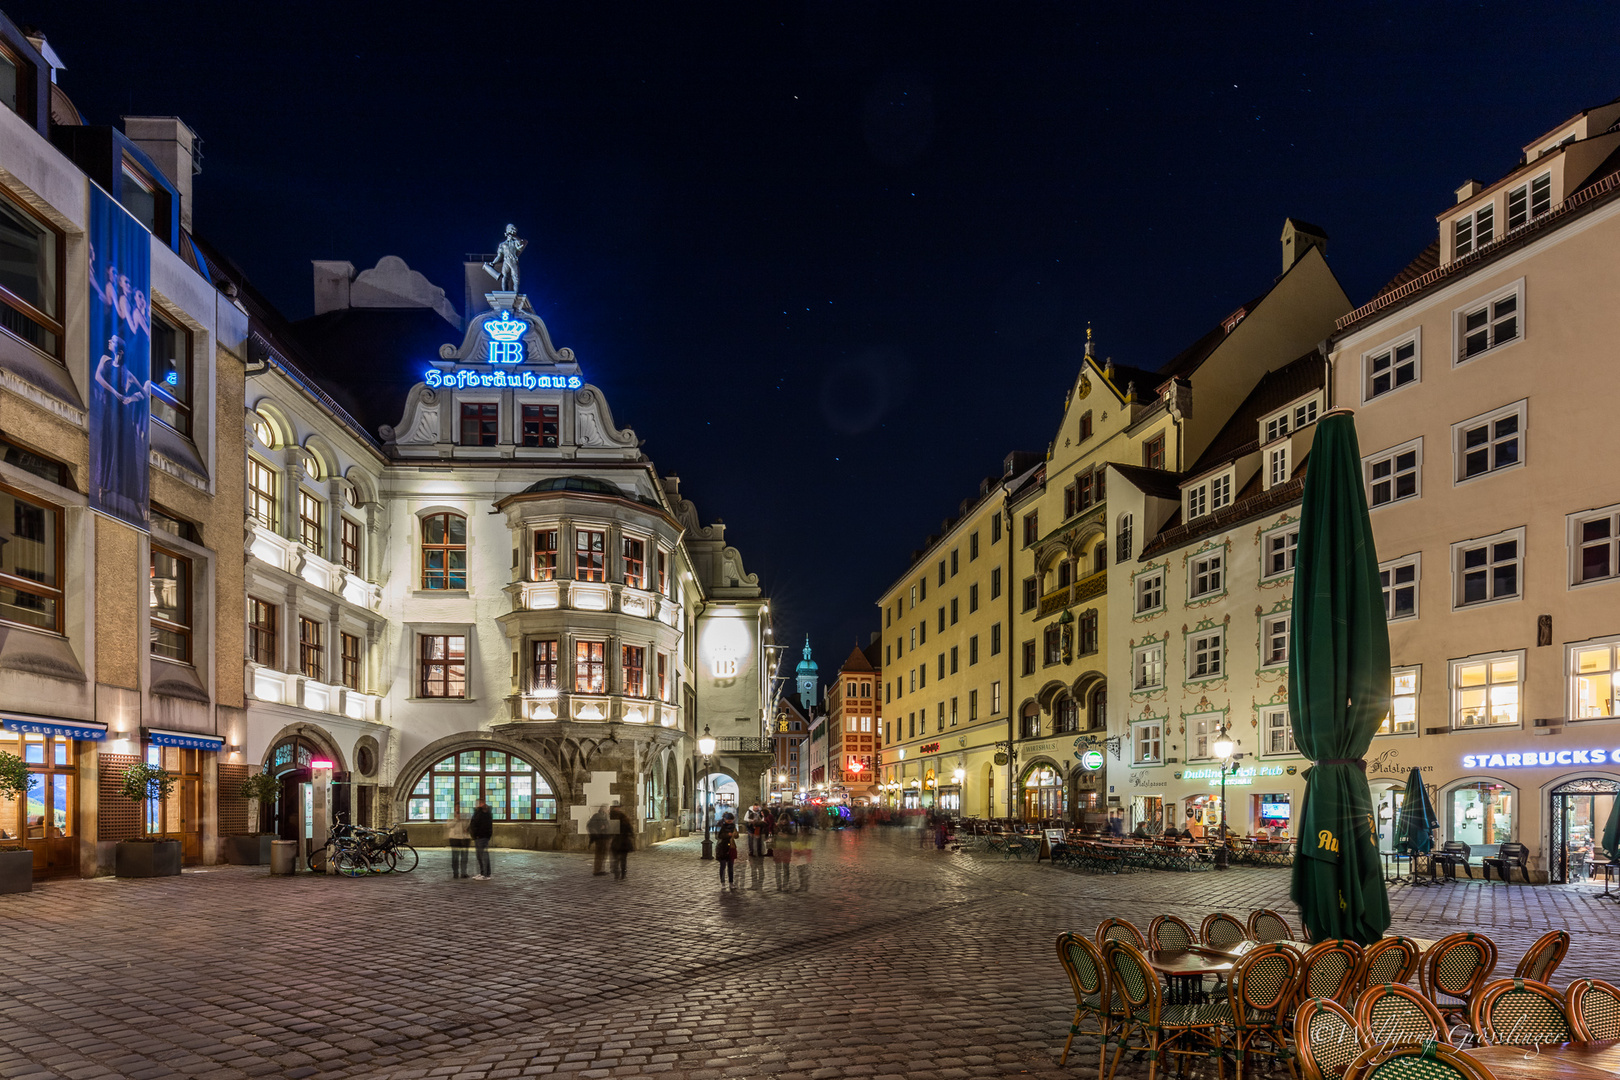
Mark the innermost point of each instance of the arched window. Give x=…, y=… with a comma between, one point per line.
x=1067, y=716
x=1031, y=722
x=444, y=551
x=513, y=788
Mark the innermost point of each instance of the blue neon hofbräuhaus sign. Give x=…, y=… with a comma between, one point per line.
x=505, y=348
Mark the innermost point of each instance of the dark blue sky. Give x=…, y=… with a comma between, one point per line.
x=832, y=261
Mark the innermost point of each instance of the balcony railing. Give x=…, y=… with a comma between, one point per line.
x=743, y=744
x=1086, y=588
x=592, y=708
x=594, y=596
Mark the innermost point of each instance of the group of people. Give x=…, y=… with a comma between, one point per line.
x=471, y=830
x=777, y=832
x=611, y=829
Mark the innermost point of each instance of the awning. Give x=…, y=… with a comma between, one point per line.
x=189, y=740
x=64, y=729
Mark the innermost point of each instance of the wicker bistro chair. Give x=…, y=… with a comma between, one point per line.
x=1389, y=960
x=1222, y=931
x=1326, y=1039
x=1542, y=959
x=1592, y=1007
x=1455, y=968
x=1519, y=1012
x=1088, y=977
x=1330, y=969
x=1163, y=1030
x=1394, y=1014
x=1424, y=1061
x=1259, y=990
x=1170, y=932
x=1266, y=925
x=1119, y=930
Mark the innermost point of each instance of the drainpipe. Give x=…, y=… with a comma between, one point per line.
x=1006, y=512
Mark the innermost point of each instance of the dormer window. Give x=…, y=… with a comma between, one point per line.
x=1290, y=419
x=1473, y=231
x=1529, y=201
x=1209, y=496
x=1277, y=467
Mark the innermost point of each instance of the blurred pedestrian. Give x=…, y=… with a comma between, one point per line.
x=597, y=828
x=782, y=841
x=725, y=849
x=482, y=828
x=458, y=836
x=624, y=841
x=754, y=822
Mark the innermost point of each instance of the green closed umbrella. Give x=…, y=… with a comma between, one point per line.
x=1414, y=832
x=1611, y=832
x=1338, y=692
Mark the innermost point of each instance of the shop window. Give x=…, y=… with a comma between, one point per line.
x=545, y=668
x=30, y=280
x=350, y=542
x=1403, y=700
x=171, y=373
x=635, y=563
x=634, y=662
x=513, y=789
x=1043, y=794
x=46, y=812
x=540, y=425
x=30, y=562
x=262, y=493
x=1277, y=730
x=441, y=666
x=181, y=813
x=261, y=632
x=170, y=596
x=311, y=521
x=480, y=423
x=1482, y=814
x=1486, y=690
x=1594, y=688
x=590, y=667
x=590, y=555
x=350, y=654
x=444, y=551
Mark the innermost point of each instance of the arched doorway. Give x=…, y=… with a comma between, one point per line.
x=289, y=762
x=1043, y=793
x=1580, y=808
x=718, y=792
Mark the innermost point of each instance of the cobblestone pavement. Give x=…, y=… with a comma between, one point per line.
x=897, y=961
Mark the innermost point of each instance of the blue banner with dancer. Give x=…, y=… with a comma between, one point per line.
x=120, y=360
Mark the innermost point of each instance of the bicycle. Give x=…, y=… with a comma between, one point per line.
x=389, y=848
x=345, y=850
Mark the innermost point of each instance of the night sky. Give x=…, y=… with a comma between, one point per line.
x=833, y=262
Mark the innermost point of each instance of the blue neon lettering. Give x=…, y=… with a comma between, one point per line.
x=1563, y=757
x=1468, y=761
x=1547, y=757
x=1512, y=760
x=431, y=378
x=1600, y=757
x=1581, y=758
x=527, y=380
x=1496, y=762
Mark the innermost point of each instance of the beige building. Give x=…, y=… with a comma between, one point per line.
x=1477, y=376
x=120, y=586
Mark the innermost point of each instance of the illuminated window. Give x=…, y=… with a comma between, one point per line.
x=444, y=551
x=635, y=563
x=1402, y=718
x=1486, y=691
x=30, y=561
x=311, y=521
x=513, y=789
x=540, y=426
x=634, y=662
x=441, y=666
x=261, y=632
x=262, y=493
x=545, y=668
x=171, y=373
x=590, y=555
x=312, y=649
x=351, y=660
x=590, y=667
x=480, y=423
x=350, y=542
x=1594, y=685
x=171, y=605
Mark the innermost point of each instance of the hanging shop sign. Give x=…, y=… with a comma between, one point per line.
x=1092, y=760
x=1544, y=757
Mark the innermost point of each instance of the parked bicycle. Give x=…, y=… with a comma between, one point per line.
x=359, y=850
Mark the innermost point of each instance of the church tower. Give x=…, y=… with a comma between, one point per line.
x=808, y=678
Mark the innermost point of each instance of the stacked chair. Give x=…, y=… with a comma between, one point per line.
x=1593, y=1009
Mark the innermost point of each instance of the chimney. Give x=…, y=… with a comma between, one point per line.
x=332, y=278
x=1469, y=189
x=174, y=148
x=1298, y=237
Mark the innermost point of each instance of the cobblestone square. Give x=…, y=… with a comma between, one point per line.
x=896, y=961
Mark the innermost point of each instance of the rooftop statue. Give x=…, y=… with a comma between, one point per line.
x=505, y=267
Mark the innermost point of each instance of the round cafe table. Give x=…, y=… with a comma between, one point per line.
x=1551, y=1061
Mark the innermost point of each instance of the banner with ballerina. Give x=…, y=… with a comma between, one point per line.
x=120, y=361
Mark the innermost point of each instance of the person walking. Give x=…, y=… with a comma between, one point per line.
x=624, y=841
x=782, y=841
x=482, y=827
x=459, y=838
x=725, y=849
x=597, y=829
x=754, y=821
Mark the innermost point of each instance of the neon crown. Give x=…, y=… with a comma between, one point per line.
x=506, y=328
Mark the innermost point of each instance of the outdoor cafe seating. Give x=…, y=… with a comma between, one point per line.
x=1333, y=1011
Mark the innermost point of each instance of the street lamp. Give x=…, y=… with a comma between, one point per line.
x=1222, y=748
x=706, y=748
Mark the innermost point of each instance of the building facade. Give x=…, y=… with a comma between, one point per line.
x=855, y=725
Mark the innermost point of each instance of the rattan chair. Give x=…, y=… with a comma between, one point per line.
x=1222, y=931
x=1162, y=1030
x=1456, y=967
x=1592, y=1007
x=1326, y=1039
x=1267, y=925
x=1519, y=1012
x=1330, y=969
x=1542, y=959
x=1259, y=991
x=1088, y=977
x=1119, y=930
x=1389, y=960
x=1426, y=1061
x=1170, y=932
x=1396, y=1014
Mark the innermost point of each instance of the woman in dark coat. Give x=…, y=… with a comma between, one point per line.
x=624, y=841
x=725, y=849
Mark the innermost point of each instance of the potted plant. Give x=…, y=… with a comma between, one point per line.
x=146, y=856
x=253, y=849
x=16, y=861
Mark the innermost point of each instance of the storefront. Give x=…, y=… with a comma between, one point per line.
x=1577, y=813
x=1272, y=811
x=46, y=820
x=1479, y=813
x=1043, y=794
x=189, y=758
